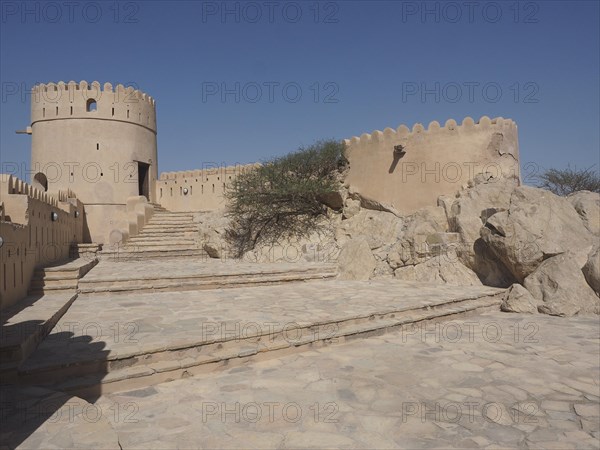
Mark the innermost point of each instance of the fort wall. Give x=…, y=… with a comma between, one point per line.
x=409, y=169
x=196, y=190
x=30, y=236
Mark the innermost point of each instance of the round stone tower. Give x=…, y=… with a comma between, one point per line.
x=99, y=142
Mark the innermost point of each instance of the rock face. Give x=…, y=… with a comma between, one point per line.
x=587, y=205
x=439, y=269
x=536, y=226
x=467, y=214
x=376, y=227
x=423, y=237
x=493, y=232
x=519, y=300
x=591, y=270
x=211, y=228
x=560, y=287
x=356, y=262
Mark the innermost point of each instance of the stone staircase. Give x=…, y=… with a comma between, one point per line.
x=24, y=325
x=195, y=274
x=155, y=268
x=166, y=235
x=158, y=208
x=60, y=278
x=132, y=368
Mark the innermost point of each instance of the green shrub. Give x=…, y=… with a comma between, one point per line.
x=280, y=198
x=566, y=181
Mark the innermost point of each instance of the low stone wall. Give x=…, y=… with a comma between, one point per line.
x=30, y=236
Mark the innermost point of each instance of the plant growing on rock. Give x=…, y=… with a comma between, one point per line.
x=282, y=198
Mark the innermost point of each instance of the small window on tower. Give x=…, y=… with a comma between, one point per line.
x=91, y=105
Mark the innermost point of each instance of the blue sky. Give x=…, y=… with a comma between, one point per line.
x=324, y=69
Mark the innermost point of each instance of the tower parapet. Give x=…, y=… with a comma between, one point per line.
x=83, y=100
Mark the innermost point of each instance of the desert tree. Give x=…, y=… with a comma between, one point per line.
x=566, y=181
x=282, y=197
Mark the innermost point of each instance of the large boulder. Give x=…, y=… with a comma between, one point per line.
x=591, y=270
x=518, y=299
x=212, y=228
x=424, y=237
x=378, y=228
x=356, y=262
x=560, y=288
x=536, y=226
x=445, y=269
x=587, y=205
x=467, y=213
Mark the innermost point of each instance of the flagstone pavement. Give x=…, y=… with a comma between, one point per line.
x=494, y=380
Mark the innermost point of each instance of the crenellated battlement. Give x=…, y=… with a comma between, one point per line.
x=468, y=125
x=37, y=230
x=10, y=185
x=197, y=190
x=205, y=174
x=83, y=100
x=389, y=166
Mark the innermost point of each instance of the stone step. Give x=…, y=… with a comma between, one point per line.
x=173, y=214
x=164, y=235
x=179, y=227
x=172, y=218
x=142, y=367
x=156, y=247
x=26, y=324
x=54, y=276
x=158, y=242
x=132, y=255
x=198, y=282
x=60, y=277
x=167, y=232
x=37, y=285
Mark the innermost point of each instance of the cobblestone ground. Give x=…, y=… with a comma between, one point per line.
x=146, y=321
x=492, y=381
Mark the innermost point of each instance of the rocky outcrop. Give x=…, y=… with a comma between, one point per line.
x=536, y=226
x=423, y=237
x=518, y=299
x=356, y=262
x=376, y=227
x=493, y=232
x=467, y=213
x=439, y=269
x=560, y=287
x=587, y=205
x=211, y=229
x=591, y=270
